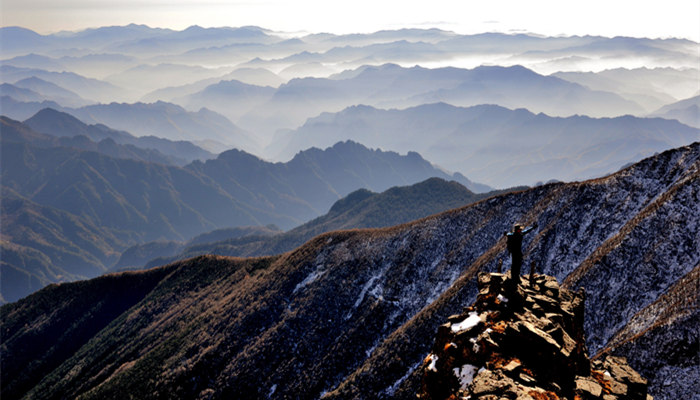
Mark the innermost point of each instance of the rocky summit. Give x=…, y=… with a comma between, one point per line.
x=523, y=341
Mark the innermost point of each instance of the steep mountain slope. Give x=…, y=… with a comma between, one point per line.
x=68, y=209
x=352, y=314
x=496, y=145
x=152, y=199
x=666, y=330
x=359, y=209
x=136, y=201
x=42, y=245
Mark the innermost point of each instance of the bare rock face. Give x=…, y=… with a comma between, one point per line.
x=523, y=341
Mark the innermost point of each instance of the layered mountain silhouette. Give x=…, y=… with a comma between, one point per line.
x=20, y=94
x=162, y=120
x=21, y=110
x=87, y=88
x=231, y=98
x=52, y=92
x=132, y=38
x=651, y=88
x=686, y=111
x=56, y=123
x=353, y=314
x=167, y=121
x=108, y=186
x=147, y=77
x=496, y=145
x=392, y=86
x=213, y=44
x=16, y=132
x=259, y=78
x=137, y=59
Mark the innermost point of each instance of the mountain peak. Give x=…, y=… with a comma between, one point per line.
x=52, y=113
x=350, y=201
x=57, y=123
x=523, y=342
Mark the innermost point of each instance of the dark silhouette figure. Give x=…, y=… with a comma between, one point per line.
x=515, y=242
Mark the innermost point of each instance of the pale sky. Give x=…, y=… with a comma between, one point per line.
x=640, y=18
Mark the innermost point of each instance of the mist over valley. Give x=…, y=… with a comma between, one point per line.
x=243, y=212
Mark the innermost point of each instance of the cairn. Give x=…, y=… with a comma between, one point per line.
x=523, y=343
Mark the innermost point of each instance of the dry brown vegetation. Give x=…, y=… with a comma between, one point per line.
x=349, y=314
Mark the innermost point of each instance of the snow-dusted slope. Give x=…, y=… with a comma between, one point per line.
x=352, y=314
x=626, y=239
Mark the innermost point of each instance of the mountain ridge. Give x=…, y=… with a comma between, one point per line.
x=57, y=123
x=250, y=328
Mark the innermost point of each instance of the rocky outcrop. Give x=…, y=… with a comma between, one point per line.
x=523, y=342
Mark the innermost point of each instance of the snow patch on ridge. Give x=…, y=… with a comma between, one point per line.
x=465, y=374
x=470, y=322
x=312, y=277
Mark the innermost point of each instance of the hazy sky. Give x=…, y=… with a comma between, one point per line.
x=667, y=18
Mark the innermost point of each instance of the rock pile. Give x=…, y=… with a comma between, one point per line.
x=523, y=341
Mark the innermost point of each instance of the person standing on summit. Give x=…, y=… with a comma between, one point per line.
x=515, y=242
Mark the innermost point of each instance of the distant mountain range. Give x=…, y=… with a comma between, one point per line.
x=650, y=88
x=160, y=119
x=496, y=145
x=132, y=38
x=686, y=111
x=128, y=63
x=266, y=83
x=146, y=78
x=90, y=89
x=168, y=121
x=222, y=45
x=37, y=90
x=56, y=123
x=264, y=109
x=130, y=201
x=392, y=86
x=359, y=209
x=52, y=92
x=353, y=314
